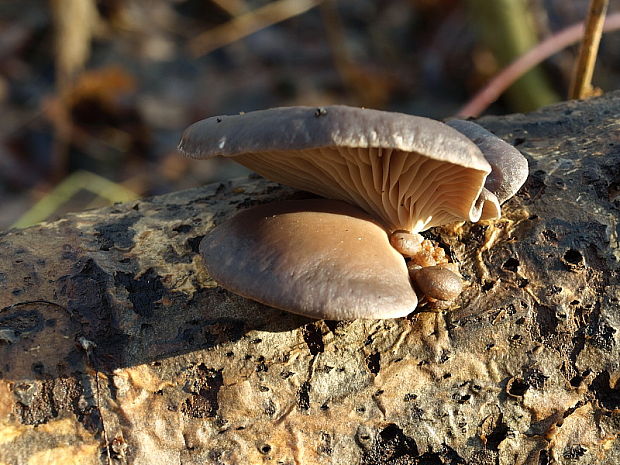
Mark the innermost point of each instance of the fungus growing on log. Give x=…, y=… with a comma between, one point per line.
x=409, y=173
x=319, y=258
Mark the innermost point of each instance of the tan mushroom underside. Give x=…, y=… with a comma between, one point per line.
x=405, y=190
x=319, y=258
x=410, y=172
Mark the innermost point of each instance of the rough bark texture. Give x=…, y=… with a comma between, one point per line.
x=115, y=346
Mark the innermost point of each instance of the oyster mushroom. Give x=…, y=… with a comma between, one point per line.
x=319, y=258
x=409, y=173
x=509, y=168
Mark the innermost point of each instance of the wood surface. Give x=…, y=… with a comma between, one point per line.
x=117, y=347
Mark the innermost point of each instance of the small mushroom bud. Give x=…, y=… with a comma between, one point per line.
x=454, y=267
x=408, y=244
x=437, y=282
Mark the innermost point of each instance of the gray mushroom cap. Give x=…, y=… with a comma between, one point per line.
x=319, y=258
x=509, y=166
x=410, y=172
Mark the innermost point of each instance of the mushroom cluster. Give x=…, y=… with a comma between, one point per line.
x=389, y=175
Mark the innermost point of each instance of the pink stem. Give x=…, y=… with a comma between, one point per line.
x=548, y=47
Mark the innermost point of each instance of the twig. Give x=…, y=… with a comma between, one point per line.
x=581, y=85
x=248, y=23
x=550, y=46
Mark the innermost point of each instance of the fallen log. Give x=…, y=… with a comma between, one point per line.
x=117, y=347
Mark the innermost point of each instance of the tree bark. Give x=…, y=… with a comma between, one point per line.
x=117, y=347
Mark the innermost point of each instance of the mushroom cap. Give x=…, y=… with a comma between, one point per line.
x=319, y=258
x=410, y=172
x=509, y=166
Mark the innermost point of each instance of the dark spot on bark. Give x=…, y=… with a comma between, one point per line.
x=608, y=396
x=461, y=398
x=218, y=331
x=335, y=325
x=547, y=323
x=193, y=243
x=270, y=408
x=117, y=234
x=576, y=380
x=314, y=338
x=144, y=292
x=499, y=433
x=38, y=368
x=182, y=228
x=573, y=259
x=303, y=396
x=488, y=285
x=265, y=449
x=88, y=300
x=171, y=256
x=549, y=235
x=325, y=445
x=204, y=385
x=534, y=378
x=373, y=362
x=512, y=264
x=543, y=457
x=574, y=452
x=391, y=446
x=517, y=387
x=600, y=333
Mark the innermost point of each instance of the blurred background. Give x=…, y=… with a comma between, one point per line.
x=94, y=94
